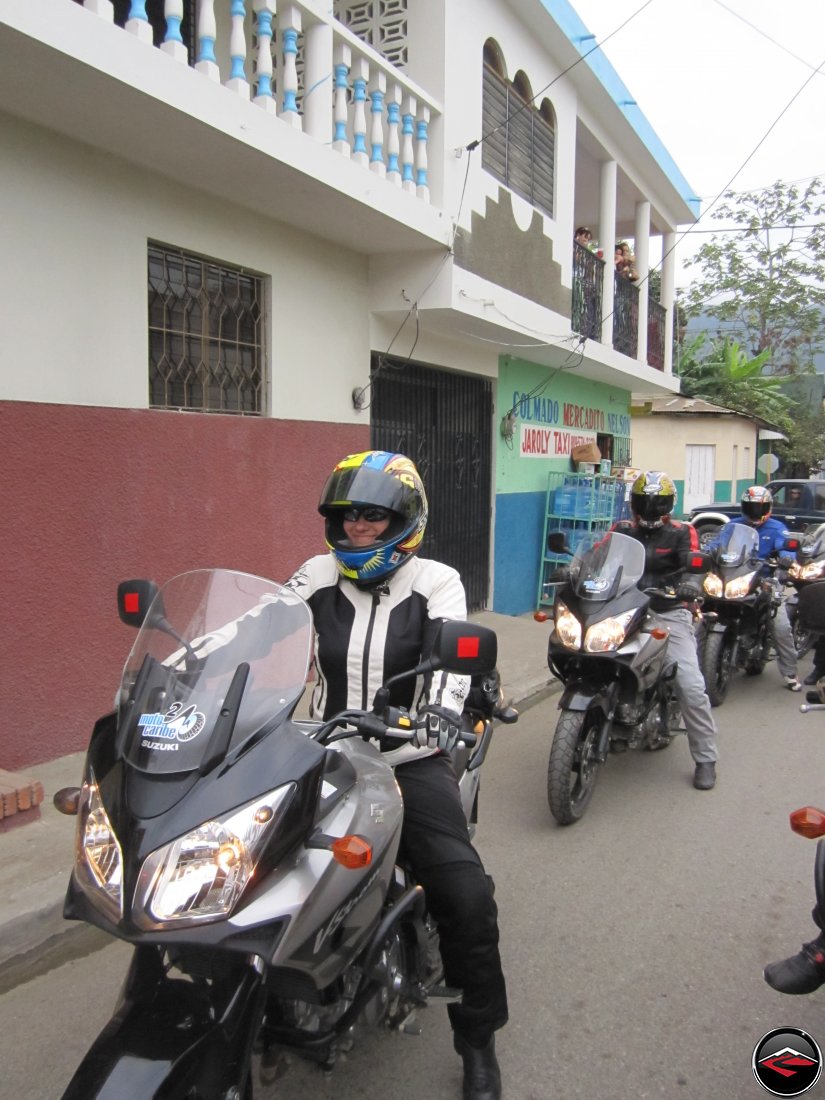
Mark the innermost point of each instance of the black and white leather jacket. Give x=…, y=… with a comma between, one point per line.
x=365, y=636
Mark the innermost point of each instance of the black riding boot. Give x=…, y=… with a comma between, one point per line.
x=482, y=1076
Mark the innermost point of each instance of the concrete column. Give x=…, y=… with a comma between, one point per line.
x=668, y=296
x=642, y=252
x=607, y=239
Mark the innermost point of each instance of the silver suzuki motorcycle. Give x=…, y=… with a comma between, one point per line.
x=250, y=857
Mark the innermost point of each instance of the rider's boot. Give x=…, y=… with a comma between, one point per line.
x=482, y=1076
x=800, y=973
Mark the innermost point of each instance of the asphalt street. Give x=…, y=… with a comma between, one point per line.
x=633, y=941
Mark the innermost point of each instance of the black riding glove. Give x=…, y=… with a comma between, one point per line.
x=438, y=728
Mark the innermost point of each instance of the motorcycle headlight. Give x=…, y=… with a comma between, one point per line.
x=811, y=571
x=608, y=634
x=98, y=855
x=741, y=586
x=713, y=585
x=568, y=627
x=201, y=875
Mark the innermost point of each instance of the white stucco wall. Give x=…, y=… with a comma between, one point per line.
x=659, y=443
x=77, y=223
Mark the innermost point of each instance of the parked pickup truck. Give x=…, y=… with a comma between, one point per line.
x=798, y=503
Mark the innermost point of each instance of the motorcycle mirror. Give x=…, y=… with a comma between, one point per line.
x=464, y=648
x=461, y=647
x=557, y=543
x=134, y=599
x=697, y=562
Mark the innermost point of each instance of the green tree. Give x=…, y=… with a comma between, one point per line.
x=805, y=449
x=722, y=373
x=765, y=282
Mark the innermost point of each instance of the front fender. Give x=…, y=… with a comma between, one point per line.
x=582, y=696
x=170, y=1038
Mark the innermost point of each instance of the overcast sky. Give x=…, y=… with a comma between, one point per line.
x=712, y=76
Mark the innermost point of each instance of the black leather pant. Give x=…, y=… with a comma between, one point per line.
x=435, y=843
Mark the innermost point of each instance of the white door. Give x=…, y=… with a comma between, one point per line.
x=700, y=475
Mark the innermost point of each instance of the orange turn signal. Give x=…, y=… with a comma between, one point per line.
x=808, y=821
x=540, y=616
x=352, y=852
x=658, y=633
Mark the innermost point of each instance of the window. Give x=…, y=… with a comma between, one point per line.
x=206, y=329
x=519, y=140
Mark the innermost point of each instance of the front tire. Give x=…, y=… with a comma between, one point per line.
x=573, y=769
x=716, y=667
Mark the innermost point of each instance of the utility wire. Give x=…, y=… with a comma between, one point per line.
x=764, y=34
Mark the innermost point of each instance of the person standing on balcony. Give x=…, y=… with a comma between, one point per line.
x=375, y=607
x=625, y=261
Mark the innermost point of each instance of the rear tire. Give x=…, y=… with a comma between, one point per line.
x=716, y=667
x=572, y=770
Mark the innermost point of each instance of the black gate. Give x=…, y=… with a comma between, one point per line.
x=441, y=420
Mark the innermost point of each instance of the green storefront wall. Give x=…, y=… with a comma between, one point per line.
x=544, y=411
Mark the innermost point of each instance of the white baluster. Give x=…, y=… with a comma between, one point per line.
x=378, y=88
x=407, y=148
x=173, y=42
x=360, y=74
x=265, y=10
x=138, y=22
x=343, y=60
x=393, y=140
x=422, y=189
x=289, y=26
x=103, y=8
x=318, y=82
x=237, y=51
x=207, y=32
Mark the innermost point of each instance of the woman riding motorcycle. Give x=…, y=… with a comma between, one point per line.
x=375, y=606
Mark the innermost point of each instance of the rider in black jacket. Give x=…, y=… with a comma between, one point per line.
x=667, y=544
x=375, y=605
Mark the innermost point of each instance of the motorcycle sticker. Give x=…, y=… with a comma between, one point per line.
x=179, y=723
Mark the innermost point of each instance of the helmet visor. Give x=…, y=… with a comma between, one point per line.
x=651, y=506
x=756, y=509
x=360, y=485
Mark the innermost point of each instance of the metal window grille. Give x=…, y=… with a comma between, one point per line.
x=519, y=142
x=206, y=334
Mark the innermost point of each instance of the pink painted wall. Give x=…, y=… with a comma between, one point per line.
x=92, y=496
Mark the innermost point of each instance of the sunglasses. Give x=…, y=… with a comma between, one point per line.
x=370, y=514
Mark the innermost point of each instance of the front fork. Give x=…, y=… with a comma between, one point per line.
x=582, y=696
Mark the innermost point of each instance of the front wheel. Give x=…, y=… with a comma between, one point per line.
x=573, y=767
x=716, y=667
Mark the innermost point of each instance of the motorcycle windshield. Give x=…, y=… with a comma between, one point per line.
x=220, y=656
x=615, y=564
x=813, y=542
x=737, y=544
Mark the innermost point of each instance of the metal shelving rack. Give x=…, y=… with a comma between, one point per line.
x=582, y=506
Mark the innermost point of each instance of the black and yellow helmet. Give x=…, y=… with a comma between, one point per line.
x=652, y=496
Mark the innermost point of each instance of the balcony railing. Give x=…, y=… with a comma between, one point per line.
x=656, y=334
x=588, y=277
x=297, y=62
x=625, y=316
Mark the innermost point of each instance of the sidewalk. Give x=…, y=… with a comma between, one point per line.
x=36, y=856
